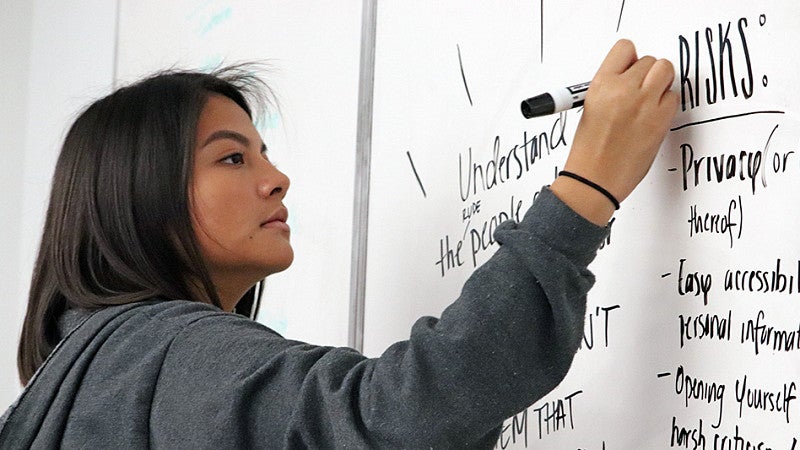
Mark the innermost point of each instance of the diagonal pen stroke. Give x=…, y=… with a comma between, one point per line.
x=619, y=21
x=461, y=65
x=416, y=174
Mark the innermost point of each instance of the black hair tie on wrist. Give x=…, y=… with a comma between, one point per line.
x=593, y=185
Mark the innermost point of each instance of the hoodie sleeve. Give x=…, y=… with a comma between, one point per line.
x=506, y=341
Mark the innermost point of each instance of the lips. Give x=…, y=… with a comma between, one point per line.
x=277, y=219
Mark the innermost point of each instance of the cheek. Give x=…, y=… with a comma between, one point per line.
x=214, y=209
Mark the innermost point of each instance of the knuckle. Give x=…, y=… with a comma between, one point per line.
x=648, y=59
x=663, y=68
x=665, y=65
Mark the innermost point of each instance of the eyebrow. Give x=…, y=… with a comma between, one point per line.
x=228, y=134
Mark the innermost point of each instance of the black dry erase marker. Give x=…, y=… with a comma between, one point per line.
x=555, y=101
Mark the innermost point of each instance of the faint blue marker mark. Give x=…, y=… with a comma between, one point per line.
x=267, y=121
x=278, y=324
x=211, y=63
x=216, y=20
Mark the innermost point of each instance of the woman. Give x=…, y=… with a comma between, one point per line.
x=166, y=212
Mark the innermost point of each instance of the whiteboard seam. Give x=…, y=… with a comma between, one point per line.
x=358, y=267
x=114, y=70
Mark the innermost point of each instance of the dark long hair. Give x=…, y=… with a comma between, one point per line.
x=118, y=227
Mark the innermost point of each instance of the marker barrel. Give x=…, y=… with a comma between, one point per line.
x=554, y=101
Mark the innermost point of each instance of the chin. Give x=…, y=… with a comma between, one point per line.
x=280, y=266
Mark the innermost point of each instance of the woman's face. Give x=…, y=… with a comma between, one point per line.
x=237, y=201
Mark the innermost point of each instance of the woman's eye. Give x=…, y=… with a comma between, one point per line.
x=236, y=158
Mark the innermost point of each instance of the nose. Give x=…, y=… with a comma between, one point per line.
x=272, y=182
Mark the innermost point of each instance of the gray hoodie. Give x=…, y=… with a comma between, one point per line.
x=179, y=374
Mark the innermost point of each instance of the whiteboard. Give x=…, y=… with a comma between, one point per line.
x=449, y=77
x=312, y=48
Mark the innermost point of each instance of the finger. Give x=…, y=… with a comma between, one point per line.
x=666, y=109
x=671, y=101
x=660, y=77
x=639, y=70
x=621, y=56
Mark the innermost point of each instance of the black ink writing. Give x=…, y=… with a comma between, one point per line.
x=721, y=168
x=694, y=388
x=760, y=334
x=512, y=429
x=556, y=415
x=603, y=321
x=471, y=210
x=695, y=438
x=727, y=56
x=693, y=282
x=607, y=241
x=737, y=442
x=763, y=281
x=765, y=400
x=744, y=166
x=511, y=164
x=481, y=239
x=686, y=437
x=728, y=223
x=449, y=258
x=705, y=326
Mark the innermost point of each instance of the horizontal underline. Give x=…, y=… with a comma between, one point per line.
x=724, y=117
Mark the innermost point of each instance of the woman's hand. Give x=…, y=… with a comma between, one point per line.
x=627, y=113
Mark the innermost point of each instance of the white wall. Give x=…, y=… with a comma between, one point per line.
x=312, y=138
x=57, y=57
x=15, y=37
